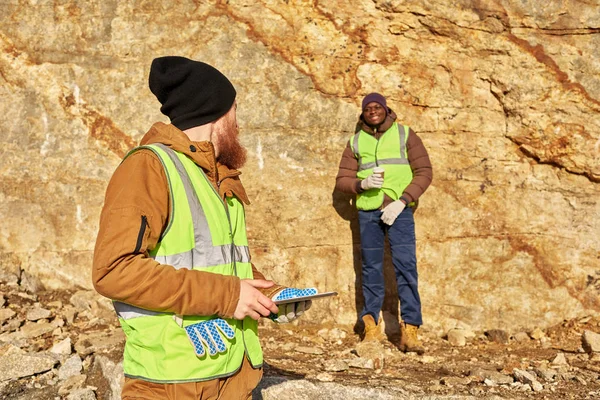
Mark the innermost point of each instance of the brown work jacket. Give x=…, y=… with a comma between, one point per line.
x=138, y=194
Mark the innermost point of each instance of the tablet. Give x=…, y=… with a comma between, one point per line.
x=303, y=298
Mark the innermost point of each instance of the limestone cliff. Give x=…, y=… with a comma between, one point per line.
x=505, y=95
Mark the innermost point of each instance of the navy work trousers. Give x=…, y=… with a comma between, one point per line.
x=401, y=235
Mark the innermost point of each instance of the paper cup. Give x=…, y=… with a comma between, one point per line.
x=379, y=171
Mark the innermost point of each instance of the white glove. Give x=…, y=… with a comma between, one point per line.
x=373, y=181
x=391, y=212
x=291, y=311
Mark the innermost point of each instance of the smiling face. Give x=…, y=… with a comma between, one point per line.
x=374, y=114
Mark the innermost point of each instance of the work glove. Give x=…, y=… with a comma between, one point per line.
x=391, y=212
x=207, y=336
x=373, y=181
x=291, y=311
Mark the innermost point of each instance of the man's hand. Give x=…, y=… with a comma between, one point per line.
x=252, y=302
x=391, y=212
x=373, y=181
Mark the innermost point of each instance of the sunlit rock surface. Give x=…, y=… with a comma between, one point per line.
x=505, y=95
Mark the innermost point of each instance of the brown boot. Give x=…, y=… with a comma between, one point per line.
x=372, y=331
x=409, y=342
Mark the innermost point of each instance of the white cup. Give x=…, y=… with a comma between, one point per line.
x=379, y=171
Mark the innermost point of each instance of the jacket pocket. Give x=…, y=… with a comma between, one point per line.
x=141, y=234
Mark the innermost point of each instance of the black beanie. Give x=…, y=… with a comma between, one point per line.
x=192, y=93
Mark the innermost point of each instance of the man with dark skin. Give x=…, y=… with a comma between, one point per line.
x=386, y=165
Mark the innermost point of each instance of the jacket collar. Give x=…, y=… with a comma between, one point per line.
x=203, y=154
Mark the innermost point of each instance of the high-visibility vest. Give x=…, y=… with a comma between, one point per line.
x=205, y=235
x=390, y=153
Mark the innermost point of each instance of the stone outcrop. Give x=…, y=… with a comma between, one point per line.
x=505, y=95
x=82, y=358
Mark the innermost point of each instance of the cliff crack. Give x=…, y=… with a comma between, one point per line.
x=562, y=32
x=562, y=77
x=533, y=156
x=312, y=246
x=498, y=93
x=499, y=236
x=101, y=128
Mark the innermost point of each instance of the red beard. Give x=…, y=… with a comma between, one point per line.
x=231, y=152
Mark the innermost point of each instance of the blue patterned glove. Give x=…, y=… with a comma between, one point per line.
x=205, y=336
x=290, y=311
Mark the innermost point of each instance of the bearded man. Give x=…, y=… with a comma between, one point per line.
x=172, y=251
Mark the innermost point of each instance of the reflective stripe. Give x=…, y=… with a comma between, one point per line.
x=403, y=134
x=210, y=257
x=394, y=161
x=202, y=238
x=397, y=161
x=366, y=166
x=127, y=311
x=204, y=254
x=355, y=149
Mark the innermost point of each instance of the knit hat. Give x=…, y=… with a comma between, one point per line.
x=192, y=93
x=374, y=97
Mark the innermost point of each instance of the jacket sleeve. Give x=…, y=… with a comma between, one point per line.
x=135, y=211
x=420, y=165
x=346, y=180
x=256, y=274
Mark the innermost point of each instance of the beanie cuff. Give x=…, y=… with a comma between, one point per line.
x=189, y=121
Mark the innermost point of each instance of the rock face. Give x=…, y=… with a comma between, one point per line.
x=505, y=95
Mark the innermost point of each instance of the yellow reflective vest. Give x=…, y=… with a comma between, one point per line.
x=202, y=234
x=390, y=153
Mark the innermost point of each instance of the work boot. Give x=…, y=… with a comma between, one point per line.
x=372, y=331
x=409, y=342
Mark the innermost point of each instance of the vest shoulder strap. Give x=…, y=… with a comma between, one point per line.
x=354, y=145
x=406, y=129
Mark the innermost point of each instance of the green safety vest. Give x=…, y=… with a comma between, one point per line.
x=390, y=153
x=205, y=235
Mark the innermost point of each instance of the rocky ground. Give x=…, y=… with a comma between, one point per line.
x=67, y=345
